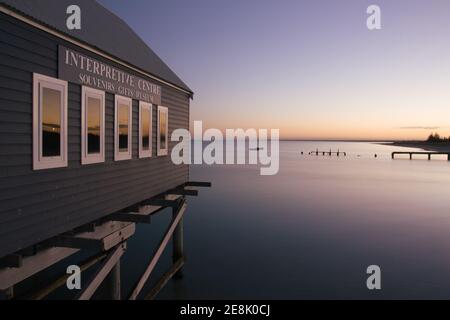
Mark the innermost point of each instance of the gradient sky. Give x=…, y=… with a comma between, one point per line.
x=310, y=68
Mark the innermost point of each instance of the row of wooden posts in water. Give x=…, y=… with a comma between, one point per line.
x=330, y=153
x=339, y=153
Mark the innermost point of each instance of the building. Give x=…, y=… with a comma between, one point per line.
x=86, y=117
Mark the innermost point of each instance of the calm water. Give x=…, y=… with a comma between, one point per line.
x=312, y=230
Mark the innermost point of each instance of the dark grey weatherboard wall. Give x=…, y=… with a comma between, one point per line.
x=36, y=205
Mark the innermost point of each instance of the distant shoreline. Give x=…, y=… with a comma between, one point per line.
x=337, y=140
x=425, y=145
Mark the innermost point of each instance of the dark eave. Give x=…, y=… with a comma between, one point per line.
x=102, y=38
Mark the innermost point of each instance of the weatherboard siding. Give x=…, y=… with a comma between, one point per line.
x=36, y=205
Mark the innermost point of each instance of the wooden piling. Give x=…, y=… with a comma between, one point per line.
x=102, y=272
x=328, y=153
x=164, y=279
x=10, y=293
x=112, y=282
x=159, y=250
x=7, y=294
x=178, y=243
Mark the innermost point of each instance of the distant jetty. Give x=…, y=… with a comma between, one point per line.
x=412, y=153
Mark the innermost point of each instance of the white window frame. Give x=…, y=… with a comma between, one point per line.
x=87, y=158
x=39, y=162
x=145, y=153
x=161, y=151
x=119, y=156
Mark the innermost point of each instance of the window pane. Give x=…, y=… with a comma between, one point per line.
x=93, y=123
x=123, y=127
x=51, y=122
x=162, y=129
x=145, y=127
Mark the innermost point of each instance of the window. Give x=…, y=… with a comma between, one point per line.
x=123, y=113
x=163, y=129
x=92, y=126
x=145, y=130
x=49, y=122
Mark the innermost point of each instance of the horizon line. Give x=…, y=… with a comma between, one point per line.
x=335, y=140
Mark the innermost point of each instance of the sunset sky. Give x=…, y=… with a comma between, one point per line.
x=310, y=68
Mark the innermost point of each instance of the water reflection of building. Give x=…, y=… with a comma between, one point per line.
x=61, y=191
